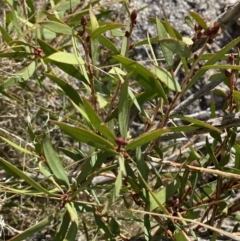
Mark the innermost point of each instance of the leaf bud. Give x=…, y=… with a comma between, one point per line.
x=127, y=34
x=134, y=16
x=120, y=141
x=88, y=38
x=210, y=41
x=227, y=73
x=83, y=21
x=196, y=27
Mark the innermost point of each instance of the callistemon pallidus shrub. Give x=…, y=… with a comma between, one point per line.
x=107, y=147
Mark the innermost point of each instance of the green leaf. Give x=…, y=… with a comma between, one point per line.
x=164, y=194
x=57, y=27
x=145, y=138
x=198, y=19
x=187, y=41
x=180, y=235
x=102, y=29
x=236, y=95
x=74, y=154
x=72, y=232
x=108, y=44
x=176, y=46
x=6, y=37
x=216, y=57
x=45, y=171
x=101, y=226
x=67, y=68
x=169, y=28
x=22, y=75
x=167, y=78
x=62, y=230
x=68, y=89
x=29, y=233
x=114, y=227
x=146, y=41
x=54, y=163
x=121, y=162
x=189, y=22
x=86, y=136
x=123, y=110
x=237, y=156
x=141, y=164
x=114, y=193
x=9, y=168
x=21, y=149
x=94, y=42
x=221, y=66
x=97, y=123
x=162, y=33
x=66, y=58
x=212, y=155
x=142, y=75
x=72, y=211
x=19, y=54
x=125, y=40
x=200, y=123
x=93, y=19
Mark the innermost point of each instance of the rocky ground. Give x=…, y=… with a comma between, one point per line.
x=176, y=10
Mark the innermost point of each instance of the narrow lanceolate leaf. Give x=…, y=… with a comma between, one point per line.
x=68, y=89
x=67, y=68
x=57, y=27
x=94, y=42
x=212, y=155
x=115, y=192
x=86, y=136
x=29, y=233
x=198, y=19
x=72, y=211
x=62, y=230
x=221, y=66
x=21, y=149
x=16, y=55
x=164, y=194
x=11, y=169
x=5, y=35
x=200, y=123
x=102, y=226
x=45, y=171
x=189, y=22
x=216, y=57
x=108, y=26
x=54, y=163
x=142, y=75
x=167, y=78
x=169, y=28
x=108, y=44
x=176, y=46
x=162, y=33
x=93, y=19
x=145, y=138
x=67, y=58
x=123, y=110
x=97, y=123
x=72, y=232
x=23, y=75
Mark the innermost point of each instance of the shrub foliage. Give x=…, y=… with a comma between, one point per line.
x=106, y=148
